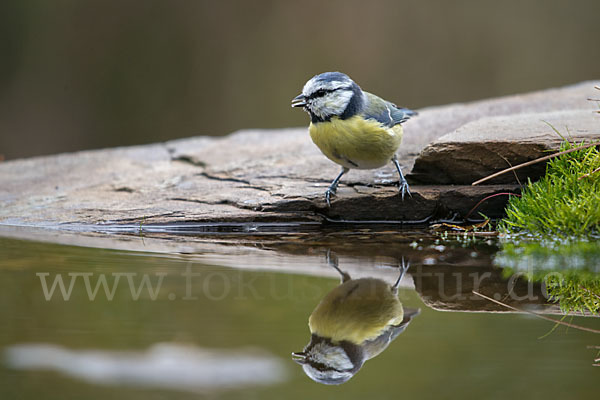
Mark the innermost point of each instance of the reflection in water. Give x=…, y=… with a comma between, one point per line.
x=569, y=270
x=476, y=355
x=164, y=366
x=353, y=323
x=597, y=359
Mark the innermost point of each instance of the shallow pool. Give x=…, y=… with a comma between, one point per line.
x=221, y=319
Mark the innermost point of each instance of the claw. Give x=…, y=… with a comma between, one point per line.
x=333, y=261
x=333, y=187
x=402, y=184
x=404, y=267
x=328, y=193
x=403, y=188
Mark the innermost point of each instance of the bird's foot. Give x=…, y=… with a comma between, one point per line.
x=403, y=268
x=403, y=188
x=402, y=184
x=332, y=260
x=328, y=193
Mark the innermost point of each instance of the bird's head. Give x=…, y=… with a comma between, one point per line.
x=330, y=94
x=328, y=363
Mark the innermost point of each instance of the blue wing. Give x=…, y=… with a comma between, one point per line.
x=388, y=114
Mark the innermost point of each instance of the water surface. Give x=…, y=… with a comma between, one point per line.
x=227, y=329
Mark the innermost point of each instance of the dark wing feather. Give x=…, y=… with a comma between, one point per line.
x=375, y=346
x=388, y=114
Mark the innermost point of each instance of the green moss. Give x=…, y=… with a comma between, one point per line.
x=538, y=257
x=569, y=269
x=551, y=231
x=564, y=203
x=574, y=291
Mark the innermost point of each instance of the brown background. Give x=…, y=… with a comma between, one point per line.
x=96, y=73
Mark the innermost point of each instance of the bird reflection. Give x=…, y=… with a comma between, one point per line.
x=353, y=323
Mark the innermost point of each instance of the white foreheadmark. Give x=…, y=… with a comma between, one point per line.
x=314, y=84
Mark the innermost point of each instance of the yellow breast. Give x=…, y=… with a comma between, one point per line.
x=357, y=310
x=356, y=142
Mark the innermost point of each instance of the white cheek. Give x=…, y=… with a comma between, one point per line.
x=332, y=356
x=331, y=104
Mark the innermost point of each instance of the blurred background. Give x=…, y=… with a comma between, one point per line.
x=98, y=73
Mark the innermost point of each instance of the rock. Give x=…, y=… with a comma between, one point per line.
x=488, y=145
x=449, y=287
x=259, y=175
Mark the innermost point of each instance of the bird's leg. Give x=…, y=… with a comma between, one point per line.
x=332, y=260
x=402, y=184
x=404, y=267
x=333, y=187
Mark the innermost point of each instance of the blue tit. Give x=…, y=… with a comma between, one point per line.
x=353, y=128
x=353, y=323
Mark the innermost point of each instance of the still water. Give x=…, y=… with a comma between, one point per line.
x=82, y=322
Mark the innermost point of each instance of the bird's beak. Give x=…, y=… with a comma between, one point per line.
x=299, y=101
x=299, y=358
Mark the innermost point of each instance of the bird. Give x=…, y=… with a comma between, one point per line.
x=353, y=323
x=351, y=127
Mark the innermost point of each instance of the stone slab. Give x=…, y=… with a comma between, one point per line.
x=258, y=175
x=488, y=145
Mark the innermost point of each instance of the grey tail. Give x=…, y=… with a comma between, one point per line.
x=408, y=112
x=401, y=114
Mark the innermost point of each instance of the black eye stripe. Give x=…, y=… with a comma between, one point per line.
x=323, y=92
x=320, y=93
x=323, y=368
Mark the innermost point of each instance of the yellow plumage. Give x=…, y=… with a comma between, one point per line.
x=356, y=142
x=357, y=310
